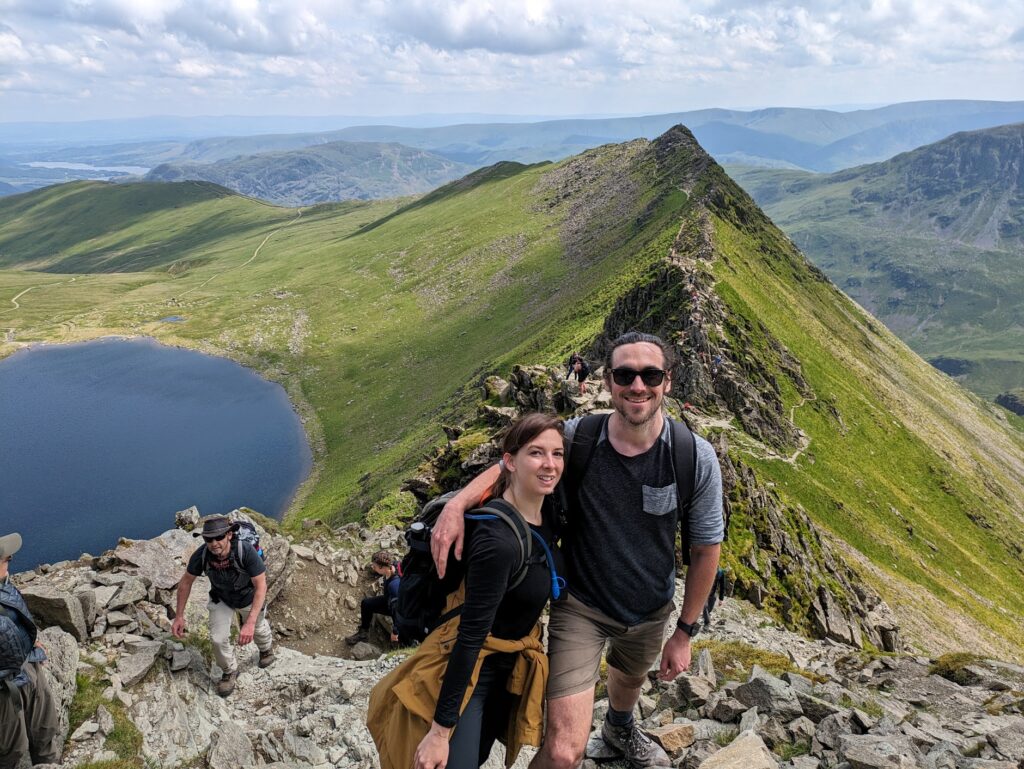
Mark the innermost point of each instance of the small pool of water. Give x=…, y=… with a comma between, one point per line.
x=110, y=438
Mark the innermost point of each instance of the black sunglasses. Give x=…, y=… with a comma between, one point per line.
x=215, y=539
x=624, y=377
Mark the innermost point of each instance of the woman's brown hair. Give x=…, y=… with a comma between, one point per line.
x=521, y=432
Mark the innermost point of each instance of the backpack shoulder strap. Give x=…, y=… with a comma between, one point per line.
x=684, y=465
x=205, y=560
x=584, y=439
x=507, y=513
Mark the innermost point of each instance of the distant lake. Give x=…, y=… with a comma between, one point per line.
x=138, y=170
x=110, y=438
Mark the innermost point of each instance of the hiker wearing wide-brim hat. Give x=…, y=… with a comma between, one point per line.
x=28, y=716
x=238, y=586
x=215, y=526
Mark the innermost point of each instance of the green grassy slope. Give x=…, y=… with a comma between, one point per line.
x=379, y=318
x=930, y=242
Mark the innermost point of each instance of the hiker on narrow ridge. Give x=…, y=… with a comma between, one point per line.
x=385, y=566
x=28, y=715
x=625, y=505
x=238, y=586
x=579, y=368
x=414, y=712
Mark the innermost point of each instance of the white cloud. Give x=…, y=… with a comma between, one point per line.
x=528, y=56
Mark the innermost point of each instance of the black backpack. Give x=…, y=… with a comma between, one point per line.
x=422, y=594
x=684, y=464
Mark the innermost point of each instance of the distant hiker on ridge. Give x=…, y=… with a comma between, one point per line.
x=28, y=716
x=577, y=367
x=385, y=566
x=238, y=585
x=625, y=505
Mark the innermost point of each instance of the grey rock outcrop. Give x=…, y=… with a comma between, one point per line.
x=52, y=606
x=747, y=751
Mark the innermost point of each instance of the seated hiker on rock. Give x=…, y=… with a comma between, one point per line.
x=28, y=715
x=385, y=566
x=238, y=585
x=480, y=675
x=578, y=368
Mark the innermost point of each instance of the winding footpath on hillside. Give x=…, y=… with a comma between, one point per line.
x=248, y=261
x=16, y=297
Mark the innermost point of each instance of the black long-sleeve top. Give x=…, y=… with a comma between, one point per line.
x=492, y=558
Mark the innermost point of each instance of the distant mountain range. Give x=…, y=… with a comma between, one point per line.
x=323, y=173
x=931, y=242
x=811, y=139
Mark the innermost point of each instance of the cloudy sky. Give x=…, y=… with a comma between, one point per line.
x=85, y=59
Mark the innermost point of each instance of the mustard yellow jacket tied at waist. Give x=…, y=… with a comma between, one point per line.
x=402, y=703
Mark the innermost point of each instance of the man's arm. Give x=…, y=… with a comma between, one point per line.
x=245, y=633
x=451, y=525
x=184, y=590
x=700, y=577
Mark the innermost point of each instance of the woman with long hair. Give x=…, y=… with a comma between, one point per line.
x=497, y=629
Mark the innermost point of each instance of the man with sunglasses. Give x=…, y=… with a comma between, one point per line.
x=238, y=586
x=28, y=715
x=619, y=547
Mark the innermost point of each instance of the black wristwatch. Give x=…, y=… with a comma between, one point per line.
x=690, y=630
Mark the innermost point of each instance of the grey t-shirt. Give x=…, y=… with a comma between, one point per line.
x=620, y=550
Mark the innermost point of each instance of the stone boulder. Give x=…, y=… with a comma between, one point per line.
x=747, y=751
x=870, y=751
x=229, y=747
x=769, y=695
x=60, y=669
x=50, y=606
x=132, y=668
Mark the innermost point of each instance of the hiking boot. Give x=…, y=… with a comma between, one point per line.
x=358, y=637
x=266, y=658
x=637, y=748
x=226, y=684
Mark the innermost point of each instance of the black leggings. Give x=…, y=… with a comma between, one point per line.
x=377, y=604
x=485, y=717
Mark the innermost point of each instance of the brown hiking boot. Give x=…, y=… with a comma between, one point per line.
x=226, y=684
x=639, y=750
x=266, y=658
x=358, y=637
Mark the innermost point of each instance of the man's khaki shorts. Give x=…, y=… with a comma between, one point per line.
x=577, y=635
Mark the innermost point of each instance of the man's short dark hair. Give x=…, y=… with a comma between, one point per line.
x=636, y=337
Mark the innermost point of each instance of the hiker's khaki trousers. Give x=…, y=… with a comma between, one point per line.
x=221, y=616
x=28, y=721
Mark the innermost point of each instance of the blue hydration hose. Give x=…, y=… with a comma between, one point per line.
x=557, y=582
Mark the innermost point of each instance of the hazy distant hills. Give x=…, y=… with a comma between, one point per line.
x=931, y=242
x=812, y=139
x=381, y=318
x=326, y=172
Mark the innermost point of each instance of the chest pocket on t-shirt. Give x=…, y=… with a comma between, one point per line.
x=659, y=500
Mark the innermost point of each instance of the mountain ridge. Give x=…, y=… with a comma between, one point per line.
x=329, y=172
